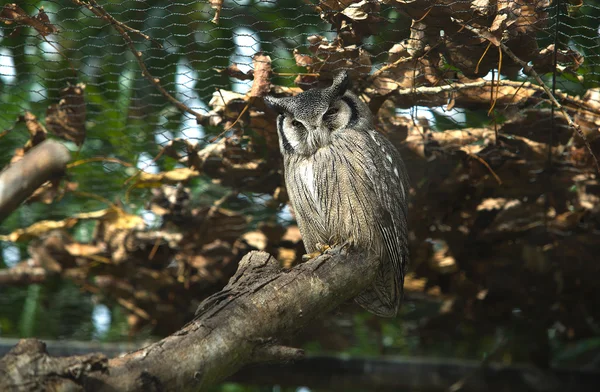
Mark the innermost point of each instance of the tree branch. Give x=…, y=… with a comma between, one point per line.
x=238, y=326
x=20, y=179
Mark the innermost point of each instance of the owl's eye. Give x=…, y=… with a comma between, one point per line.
x=297, y=124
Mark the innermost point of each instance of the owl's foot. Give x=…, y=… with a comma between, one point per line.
x=321, y=249
x=346, y=245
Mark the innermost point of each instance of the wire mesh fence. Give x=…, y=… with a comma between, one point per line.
x=189, y=49
x=495, y=106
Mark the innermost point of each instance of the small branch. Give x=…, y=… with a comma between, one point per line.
x=121, y=28
x=94, y=7
x=18, y=276
x=30, y=368
x=42, y=163
x=527, y=69
x=238, y=326
x=529, y=91
x=276, y=353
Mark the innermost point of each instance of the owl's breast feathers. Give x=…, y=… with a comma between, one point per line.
x=335, y=193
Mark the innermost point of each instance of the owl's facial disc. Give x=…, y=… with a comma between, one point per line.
x=307, y=120
x=337, y=117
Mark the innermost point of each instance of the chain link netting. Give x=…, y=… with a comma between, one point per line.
x=187, y=48
x=495, y=106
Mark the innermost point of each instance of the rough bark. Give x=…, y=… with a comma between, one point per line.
x=319, y=372
x=21, y=179
x=238, y=326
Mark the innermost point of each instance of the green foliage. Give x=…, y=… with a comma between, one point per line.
x=57, y=309
x=126, y=114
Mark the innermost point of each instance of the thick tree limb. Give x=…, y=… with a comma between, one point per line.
x=238, y=326
x=27, y=367
x=39, y=165
x=17, y=276
x=324, y=372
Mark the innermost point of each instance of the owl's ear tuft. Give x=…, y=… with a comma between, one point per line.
x=276, y=104
x=340, y=84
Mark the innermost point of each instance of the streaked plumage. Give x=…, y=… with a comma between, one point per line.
x=346, y=182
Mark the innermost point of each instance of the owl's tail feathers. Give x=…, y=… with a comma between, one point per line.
x=384, y=297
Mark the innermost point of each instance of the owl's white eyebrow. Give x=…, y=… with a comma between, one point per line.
x=284, y=140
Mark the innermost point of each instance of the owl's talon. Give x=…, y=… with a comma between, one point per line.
x=311, y=255
x=321, y=248
x=346, y=246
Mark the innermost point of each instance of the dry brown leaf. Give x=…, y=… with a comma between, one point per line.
x=216, y=5
x=38, y=229
x=490, y=204
x=329, y=58
x=174, y=176
x=79, y=249
x=118, y=219
x=12, y=13
x=499, y=23
x=569, y=220
x=50, y=190
x=302, y=60
x=568, y=60
x=37, y=132
x=356, y=11
x=235, y=72
x=227, y=103
x=481, y=7
x=67, y=118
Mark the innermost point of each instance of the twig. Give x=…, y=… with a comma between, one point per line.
x=42, y=163
x=98, y=159
x=527, y=69
x=121, y=28
x=98, y=10
x=484, y=163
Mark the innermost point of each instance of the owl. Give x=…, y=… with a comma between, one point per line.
x=347, y=184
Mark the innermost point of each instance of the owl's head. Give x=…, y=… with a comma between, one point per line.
x=308, y=121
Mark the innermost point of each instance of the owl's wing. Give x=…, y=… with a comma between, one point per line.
x=392, y=200
x=394, y=223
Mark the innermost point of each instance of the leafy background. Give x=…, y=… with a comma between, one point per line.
x=129, y=123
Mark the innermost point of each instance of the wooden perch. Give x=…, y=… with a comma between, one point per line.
x=21, y=179
x=240, y=325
